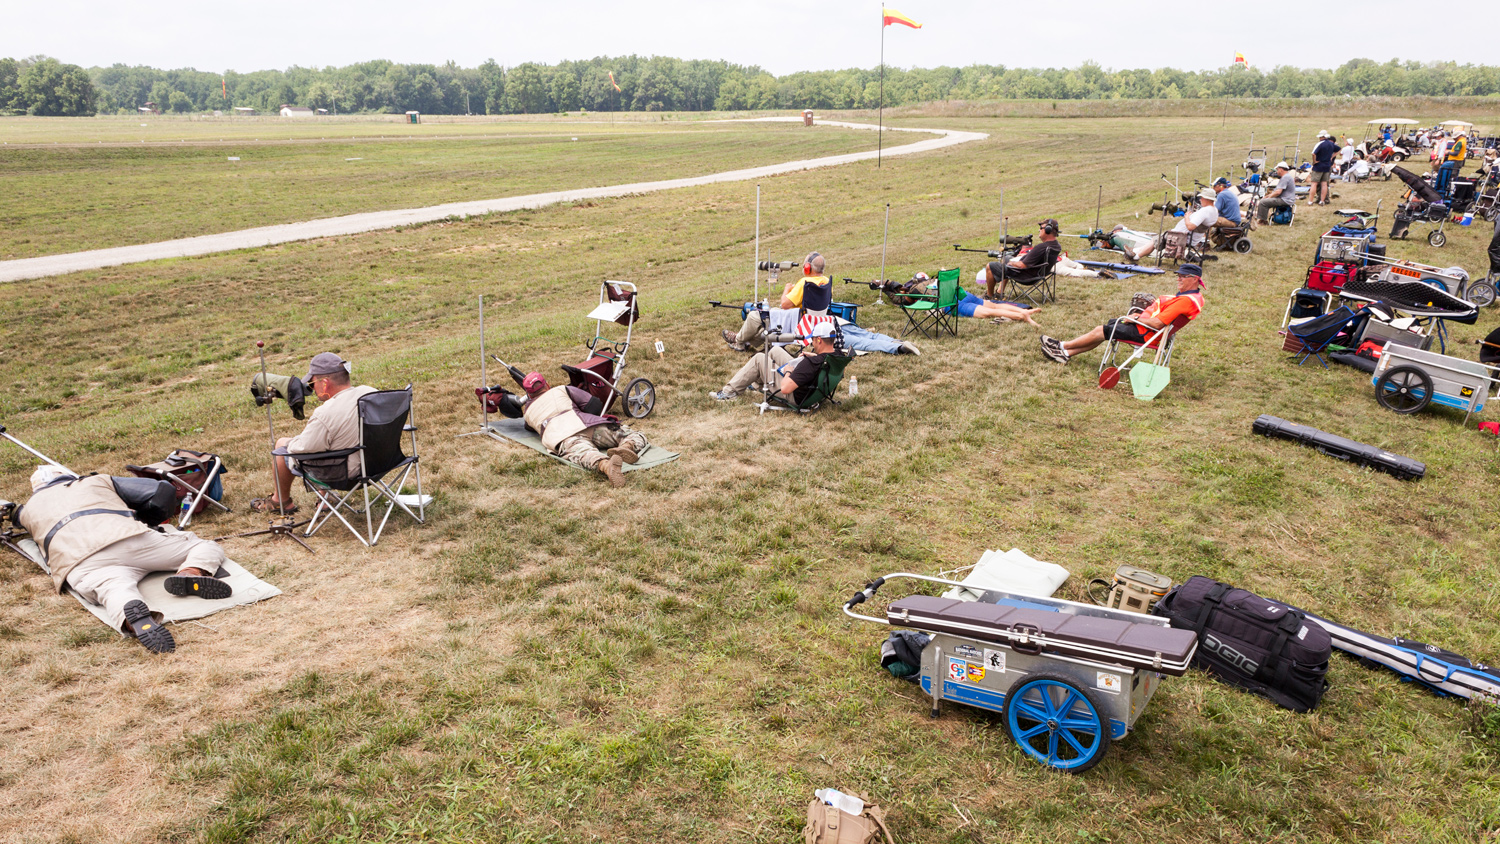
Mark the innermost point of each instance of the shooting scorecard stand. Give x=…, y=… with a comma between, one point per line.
x=1068, y=677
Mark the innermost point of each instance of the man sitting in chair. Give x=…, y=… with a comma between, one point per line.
x=95, y=546
x=1195, y=223
x=1284, y=195
x=794, y=378
x=1159, y=313
x=560, y=415
x=334, y=425
x=1030, y=265
x=791, y=297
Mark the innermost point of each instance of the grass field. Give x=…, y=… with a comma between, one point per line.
x=553, y=660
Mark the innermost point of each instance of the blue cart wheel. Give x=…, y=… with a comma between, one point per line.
x=1056, y=723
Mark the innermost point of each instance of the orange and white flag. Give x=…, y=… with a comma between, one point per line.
x=890, y=16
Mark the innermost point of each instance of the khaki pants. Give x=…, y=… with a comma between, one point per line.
x=110, y=577
x=587, y=447
x=754, y=370
x=750, y=332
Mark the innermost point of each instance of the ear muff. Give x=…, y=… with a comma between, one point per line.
x=1049, y=228
x=807, y=263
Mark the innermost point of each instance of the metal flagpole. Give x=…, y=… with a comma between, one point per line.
x=880, y=130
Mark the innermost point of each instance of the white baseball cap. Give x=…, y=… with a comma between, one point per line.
x=1282, y=165
x=46, y=474
x=823, y=329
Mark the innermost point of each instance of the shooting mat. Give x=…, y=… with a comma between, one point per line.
x=515, y=429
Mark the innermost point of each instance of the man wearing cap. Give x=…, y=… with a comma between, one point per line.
x=333, y=426
x=1284, y=195
x=1037, y=260
x=562, y=417
x=1322, y=169
x=1346, y=153
x=1137, y=327
x=94, y=545
x=1226, y=204
x=1453, y=161
x=794, y=378
x=1195, y=223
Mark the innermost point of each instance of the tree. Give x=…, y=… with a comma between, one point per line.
x=526, y=91
x=10, y=85
x=53, y=89
x=179, y=102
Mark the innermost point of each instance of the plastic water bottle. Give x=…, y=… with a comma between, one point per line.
x=182, y=513
x=853, y=386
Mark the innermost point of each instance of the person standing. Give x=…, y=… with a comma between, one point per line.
x=1322, y=169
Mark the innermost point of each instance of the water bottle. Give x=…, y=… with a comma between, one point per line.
x=183, y=512
x=853, y=386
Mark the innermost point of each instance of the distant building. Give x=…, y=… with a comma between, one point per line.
x=295, y=111
x=148, y=108
x=244, y=111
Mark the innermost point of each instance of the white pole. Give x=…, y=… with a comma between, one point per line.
x=756, y=267
x=484, y=375
x=1211, y=162
x=1000, y=247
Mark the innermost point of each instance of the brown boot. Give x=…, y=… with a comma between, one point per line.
x=625, y=452
x=611, y=469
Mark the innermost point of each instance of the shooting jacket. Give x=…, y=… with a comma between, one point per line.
x=555, y=415
x=74, y=520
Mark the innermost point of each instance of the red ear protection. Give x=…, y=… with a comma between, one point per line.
x=807, y=267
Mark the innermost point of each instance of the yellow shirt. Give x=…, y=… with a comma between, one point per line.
x=796, y=295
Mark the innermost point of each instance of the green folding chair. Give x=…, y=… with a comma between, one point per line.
x=938, y=312
x=830, y=374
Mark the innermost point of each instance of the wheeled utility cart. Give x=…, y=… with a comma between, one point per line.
x=1407, y=380
x=1068, y=678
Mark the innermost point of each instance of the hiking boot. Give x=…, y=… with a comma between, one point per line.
x=908, y=349
x=625, y=452
x=613, y=468
x=723, y=395
x=1053, y=349
x=202, y=586
x=152, y=636
x=734, y=341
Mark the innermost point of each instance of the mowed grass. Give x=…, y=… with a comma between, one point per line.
x=178, y=180
x=552, y=660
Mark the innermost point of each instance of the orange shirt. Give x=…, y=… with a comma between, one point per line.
x=1169, y=308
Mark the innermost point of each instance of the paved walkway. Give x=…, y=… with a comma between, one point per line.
x=51, y=265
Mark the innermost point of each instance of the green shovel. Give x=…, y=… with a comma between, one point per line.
x=1147, y=380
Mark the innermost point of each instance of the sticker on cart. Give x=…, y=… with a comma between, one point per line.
x=966, y=651
x=1109, y=682
x=994, y=660
x=958, y=670
x=1466, y=392
x=976, y=672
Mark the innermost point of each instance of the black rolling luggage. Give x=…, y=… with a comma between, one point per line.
x=1259, y=645
x=1404, y=468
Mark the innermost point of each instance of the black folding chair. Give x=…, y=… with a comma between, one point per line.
x=383, y=420
x=1037, y=285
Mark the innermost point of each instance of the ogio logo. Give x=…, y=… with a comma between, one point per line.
x=1229, y=655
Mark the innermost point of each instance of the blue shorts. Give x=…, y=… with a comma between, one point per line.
x=967, y=304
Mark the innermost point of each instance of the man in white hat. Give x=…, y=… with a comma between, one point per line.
x=793, y=378
x=1197, y=223
x=94, y=544
x=1322, y=169
x=1284, y=195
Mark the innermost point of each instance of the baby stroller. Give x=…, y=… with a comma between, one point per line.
x=1424, y=204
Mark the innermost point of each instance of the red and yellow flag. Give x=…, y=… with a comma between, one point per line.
x=1239, y=58
x=612, y=80
x=891, y=16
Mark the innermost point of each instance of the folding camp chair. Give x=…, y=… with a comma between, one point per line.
x=829, y=376
x=1311, y=338
x=383, y=419
x=939, y=311
x=1037, y=286
x=1162, y=340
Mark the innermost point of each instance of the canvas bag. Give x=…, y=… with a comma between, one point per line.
x=829, y=825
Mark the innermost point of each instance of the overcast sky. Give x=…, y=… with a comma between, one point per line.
x=783, y=36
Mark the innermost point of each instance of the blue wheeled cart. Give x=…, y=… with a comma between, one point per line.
x=1068, y=678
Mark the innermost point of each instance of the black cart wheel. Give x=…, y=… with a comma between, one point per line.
x=1404, y=389
x=1057, y=723
x=1243, y=246
x=1481, y=293
x=1436, y=238
x=640, y=398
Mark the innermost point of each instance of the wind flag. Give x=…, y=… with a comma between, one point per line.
x=891, y=16
x=1239, y=58
x=225, y=86
x=612, y=80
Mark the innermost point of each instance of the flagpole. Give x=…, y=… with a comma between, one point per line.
x=880, y=129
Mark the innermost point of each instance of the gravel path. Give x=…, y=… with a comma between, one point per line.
x=52, y=265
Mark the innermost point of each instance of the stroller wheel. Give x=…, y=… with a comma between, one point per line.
x=1243, y=246
x=1436, y=238
x=1481, y=293
x=640, y=398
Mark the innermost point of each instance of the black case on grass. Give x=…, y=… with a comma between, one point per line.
x=1259, y=645
x=1404, y=468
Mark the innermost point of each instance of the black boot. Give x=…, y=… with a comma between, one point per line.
x=183, y=585
x=152, y=636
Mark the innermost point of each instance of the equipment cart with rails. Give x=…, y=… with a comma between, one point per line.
x=1068, y=678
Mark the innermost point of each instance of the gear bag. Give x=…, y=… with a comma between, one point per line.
x=1259, y=645
x=831, y=825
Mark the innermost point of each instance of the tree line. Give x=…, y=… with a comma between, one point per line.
x=45, y=86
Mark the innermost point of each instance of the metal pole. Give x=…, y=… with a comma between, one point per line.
x=484, y=374
x=1001, y=245
x=885, y=240
x=1210, y=162
x=755, y=268
x=880, y=132
x=1297, y=152
x=265, y=383
x=35, y=452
